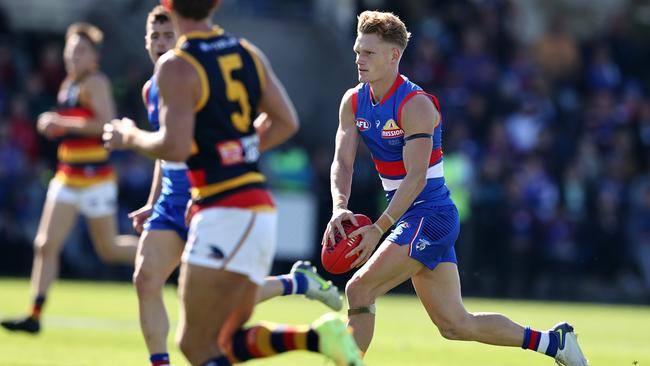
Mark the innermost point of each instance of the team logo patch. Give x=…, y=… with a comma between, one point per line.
x=216, y=253
x=231, y=152
x=399, y=229
x=422, y=245
x=391, y=130
x=363, y=124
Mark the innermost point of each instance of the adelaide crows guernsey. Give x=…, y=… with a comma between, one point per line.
x=175, y=184
x=379, y=125
x=83, y=160
x=223, y=168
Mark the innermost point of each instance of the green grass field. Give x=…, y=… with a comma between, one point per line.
x=96, y=324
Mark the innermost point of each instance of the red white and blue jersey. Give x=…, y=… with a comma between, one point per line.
x=379, y=125
x=175, y=183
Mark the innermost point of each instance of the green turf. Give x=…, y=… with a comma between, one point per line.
x=96, y=324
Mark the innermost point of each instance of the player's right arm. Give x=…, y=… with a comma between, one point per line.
x=139, y=216
x=345, y=150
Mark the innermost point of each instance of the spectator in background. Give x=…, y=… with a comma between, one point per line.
x=557, y=53
x=51, y=68
x=639, y=225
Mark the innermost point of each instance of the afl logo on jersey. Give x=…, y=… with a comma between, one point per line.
x=363, y=124
x=391, y=130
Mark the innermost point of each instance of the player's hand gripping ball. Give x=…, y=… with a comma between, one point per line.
x=333, y=254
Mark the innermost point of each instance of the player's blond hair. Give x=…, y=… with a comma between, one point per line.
x=388, y=26
x=158, y=15
x=86, y=30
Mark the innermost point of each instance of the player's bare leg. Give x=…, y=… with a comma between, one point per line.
x=158, y=255
x=205, y=309
x=110, y=247
x=439, y=291
x=57, y=220
x=273, y=287
x=388, y=267
x=207, y=315
x=302, y=280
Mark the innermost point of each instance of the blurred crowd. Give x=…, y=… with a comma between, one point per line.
x=549, y=143
x=547, y=149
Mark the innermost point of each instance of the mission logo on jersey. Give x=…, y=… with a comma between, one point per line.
x=391, y=130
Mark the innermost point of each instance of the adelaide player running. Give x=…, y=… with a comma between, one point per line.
x=162, y=223
x=210, y=88
x=402, y=126
x=84, y=181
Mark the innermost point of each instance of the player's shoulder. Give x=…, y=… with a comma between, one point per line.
x=174, y=63
x=420, y=101
x=177, y=72
x=419, y=107
x=351, y=93
x=255, y=52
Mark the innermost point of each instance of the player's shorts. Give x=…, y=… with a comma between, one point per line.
x=430, y=232
x=167, y=215
x=233, y=239
x=96, y=200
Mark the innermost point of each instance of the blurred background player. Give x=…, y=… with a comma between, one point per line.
x=401, y=125
x=164, y=232
x=85, y=181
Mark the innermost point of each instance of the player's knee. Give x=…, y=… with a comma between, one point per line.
x=44, y=247
x=457, y=328
x=147, y=283
x=358, y=293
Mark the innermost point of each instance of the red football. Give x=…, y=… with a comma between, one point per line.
x=333, y=255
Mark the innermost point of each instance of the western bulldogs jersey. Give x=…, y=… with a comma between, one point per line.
x=380, y=128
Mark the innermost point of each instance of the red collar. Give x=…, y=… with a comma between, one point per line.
x=398, y=81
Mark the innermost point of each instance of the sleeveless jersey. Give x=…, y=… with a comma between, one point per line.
x=380, y=128
x=175, y=185
x=83, y=160
x=223, y=169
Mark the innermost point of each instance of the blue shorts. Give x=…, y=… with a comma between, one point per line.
x=167, y=216
x=430, y=232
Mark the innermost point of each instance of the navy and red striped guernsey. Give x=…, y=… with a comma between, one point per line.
x=379, y=125
x=223, y=168
x=83, y=160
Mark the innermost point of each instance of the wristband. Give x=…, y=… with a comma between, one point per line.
x=392, y=220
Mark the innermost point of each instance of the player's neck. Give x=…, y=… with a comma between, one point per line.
x=189, y=25
x=381, y=87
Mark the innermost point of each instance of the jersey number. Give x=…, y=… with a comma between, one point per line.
x=235, y=91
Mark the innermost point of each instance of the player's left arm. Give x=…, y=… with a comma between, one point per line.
x=418, y=120
x=180, y=91
x=96, y=93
